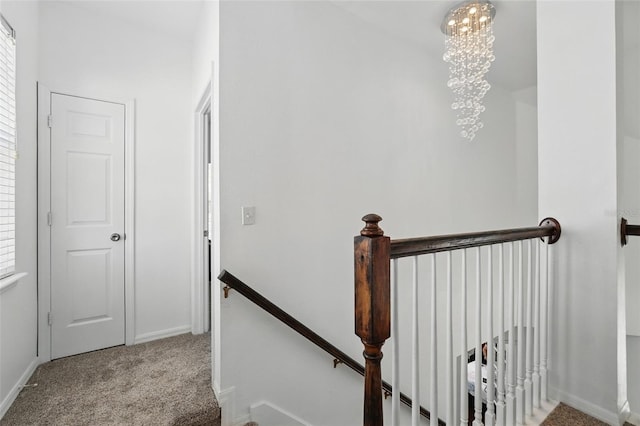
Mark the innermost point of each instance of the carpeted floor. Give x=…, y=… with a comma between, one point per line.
x=165, y=382
x=564, y=415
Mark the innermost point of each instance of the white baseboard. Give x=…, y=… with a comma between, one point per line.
x=161, y=334
x=13, y=394
x=540, y=414
x=266, y=414
x=624, y=412
x=227, y=402
x=242, y=420
x=609, y=417
x=215, y=385
x=634, y=419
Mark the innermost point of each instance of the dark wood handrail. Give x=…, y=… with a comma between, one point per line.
x=235, y=283
x=372, y=254
x=549, y=227
x=626, y=230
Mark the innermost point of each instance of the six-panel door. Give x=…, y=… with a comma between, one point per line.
x=87, y=217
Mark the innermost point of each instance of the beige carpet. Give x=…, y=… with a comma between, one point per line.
x=564, y=415
x=165, y=382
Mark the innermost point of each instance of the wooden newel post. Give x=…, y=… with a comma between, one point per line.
x=372, y=309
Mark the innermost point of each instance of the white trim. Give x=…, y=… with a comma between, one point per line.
x=161, y=334
x=242, y=420
x=198, y=266
x=129, y=221
x=227, y=403
x=609, y=417
x=540, y=414
x=277, y=409
x=634, y=419
x=10, y=281
x=215, y=385
x=13, y=394
x=216, y=246
x=44, y=236
x=624, y=412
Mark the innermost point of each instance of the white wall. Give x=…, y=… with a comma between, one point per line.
x=101, y=57
x=527, y=146
x=628, y=38
x=206, y=55
x=631, y=212
x=18, y=308
x=205, y=47
x=633, y=348
x=324, y=119
x=578, y=184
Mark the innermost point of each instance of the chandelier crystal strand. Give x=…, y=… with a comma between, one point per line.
x=469, y=52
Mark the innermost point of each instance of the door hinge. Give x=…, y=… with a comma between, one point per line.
x=49, y=219
x=206, y=233
x=49, y=319
x=49, y=120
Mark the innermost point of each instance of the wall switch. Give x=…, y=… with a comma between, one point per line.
x=248, y=215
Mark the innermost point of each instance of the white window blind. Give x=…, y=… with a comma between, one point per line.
x=7, y=148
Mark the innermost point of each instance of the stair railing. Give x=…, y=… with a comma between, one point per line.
x=232, y=282
x=375, y=291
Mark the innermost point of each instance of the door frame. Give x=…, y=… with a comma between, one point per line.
x=44, y=230
x=200, y=297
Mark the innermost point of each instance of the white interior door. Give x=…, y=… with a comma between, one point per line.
x=87, y=225
x=208, y=215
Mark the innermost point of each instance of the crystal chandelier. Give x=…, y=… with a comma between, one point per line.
x=469, y=52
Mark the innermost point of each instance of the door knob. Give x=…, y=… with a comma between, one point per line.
x=115, y=237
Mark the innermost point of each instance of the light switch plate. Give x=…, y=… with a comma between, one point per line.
x=248, y=215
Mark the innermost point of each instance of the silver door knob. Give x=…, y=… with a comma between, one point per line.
x=115, y=237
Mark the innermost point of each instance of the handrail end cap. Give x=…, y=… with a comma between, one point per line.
x=550, y=221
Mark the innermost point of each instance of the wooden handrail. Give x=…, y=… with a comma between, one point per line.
x=372, y=254
x=626, y=230
x=235, y=283
x=548, y=227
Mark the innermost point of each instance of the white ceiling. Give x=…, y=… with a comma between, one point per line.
x=416, y=21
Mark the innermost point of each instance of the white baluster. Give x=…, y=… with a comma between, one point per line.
x=543, y=326
x=415, y=371
x=395, y=334
x=464, y=395
x=500, y=404
x=511, y=349
x=520, y=344
x=449, y=364
x=477, y=421
x=433, y=408
x=536, y=329
x=489, y=416
x=528, y=391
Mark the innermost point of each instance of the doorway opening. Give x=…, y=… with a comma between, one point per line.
x=204, y=209
x=208, y=203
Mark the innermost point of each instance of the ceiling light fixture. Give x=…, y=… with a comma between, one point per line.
x=469, y=52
